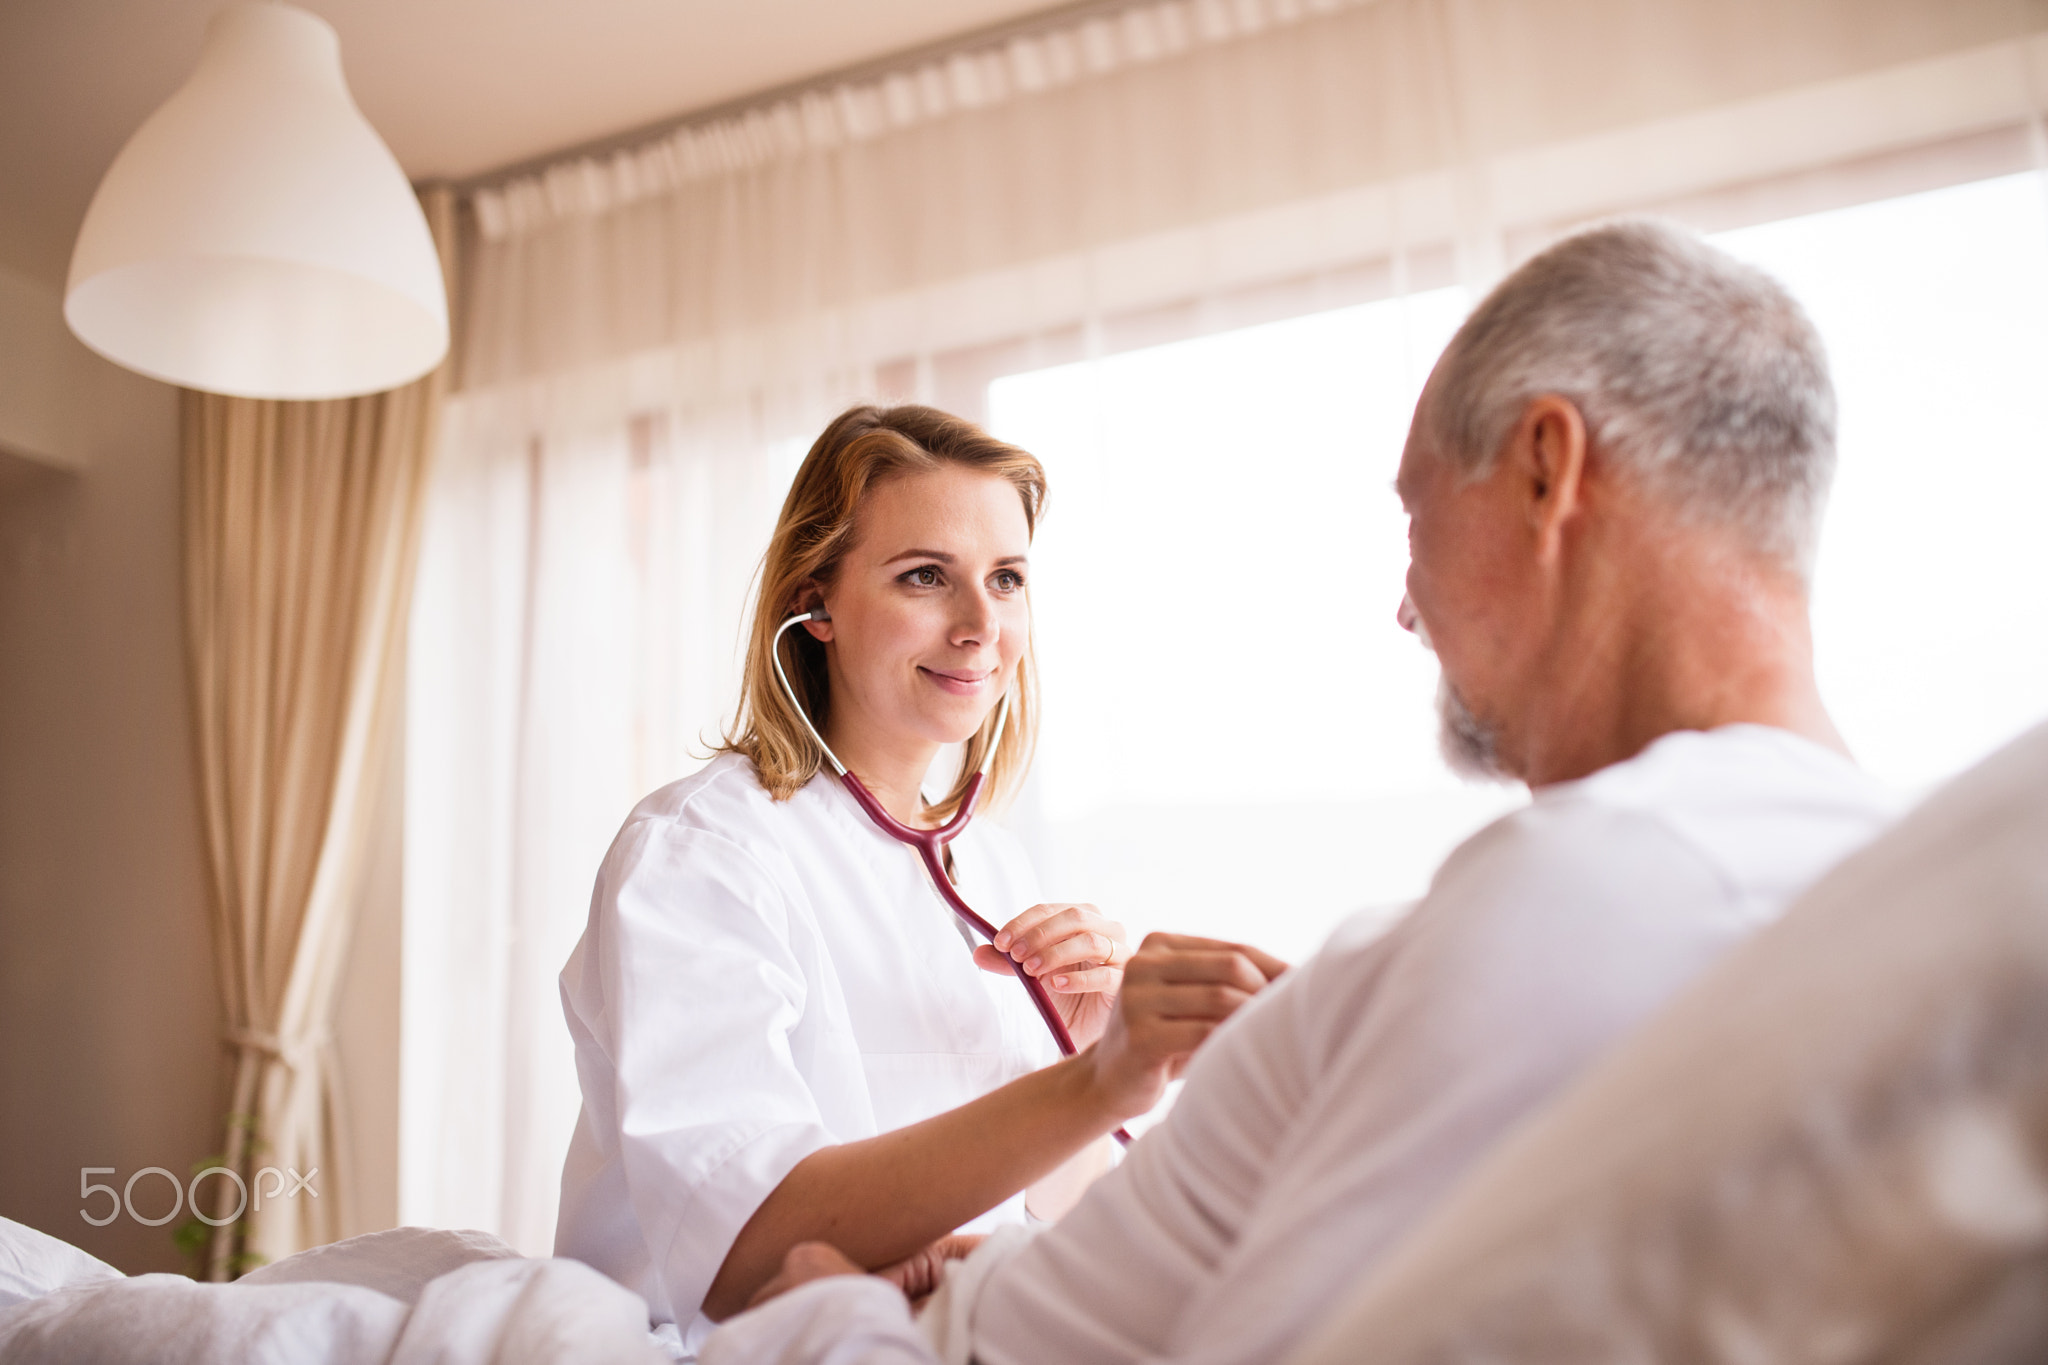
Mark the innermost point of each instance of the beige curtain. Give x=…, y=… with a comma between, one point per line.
x=1129, y=160
x=301, y=527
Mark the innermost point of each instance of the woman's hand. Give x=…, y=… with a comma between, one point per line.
x=1076, y=953
x=802, y=1263
x=1176, y=990
x=918, y=1275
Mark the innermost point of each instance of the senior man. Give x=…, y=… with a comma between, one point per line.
x=1613, y=483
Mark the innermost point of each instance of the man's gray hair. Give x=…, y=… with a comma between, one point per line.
x=1699, y=373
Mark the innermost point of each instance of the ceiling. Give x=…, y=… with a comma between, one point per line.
x=457, y=87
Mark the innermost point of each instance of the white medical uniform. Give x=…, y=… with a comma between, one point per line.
x=1325, y=1119
x=759, y=979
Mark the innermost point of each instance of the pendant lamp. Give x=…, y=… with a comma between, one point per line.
x=255, y=237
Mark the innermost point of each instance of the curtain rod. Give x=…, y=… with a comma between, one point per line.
x=1046, y=20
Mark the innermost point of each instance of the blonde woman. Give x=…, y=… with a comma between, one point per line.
x=780, y=1033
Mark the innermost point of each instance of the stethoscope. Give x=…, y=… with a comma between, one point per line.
x=931, y=843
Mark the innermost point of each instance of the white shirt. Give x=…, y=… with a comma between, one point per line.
x=1334, y=1111
x=759, y=979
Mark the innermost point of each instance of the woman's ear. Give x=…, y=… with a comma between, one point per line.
x=810, y=597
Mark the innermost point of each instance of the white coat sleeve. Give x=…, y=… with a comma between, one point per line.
x=701, y=1010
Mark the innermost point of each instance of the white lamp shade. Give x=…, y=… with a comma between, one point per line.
x=255, y=237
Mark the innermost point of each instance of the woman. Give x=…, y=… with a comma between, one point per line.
x=780, y=1034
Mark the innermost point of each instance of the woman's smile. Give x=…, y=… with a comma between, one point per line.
x=960, y=682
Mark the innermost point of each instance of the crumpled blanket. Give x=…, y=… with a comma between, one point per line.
x=412, y=1296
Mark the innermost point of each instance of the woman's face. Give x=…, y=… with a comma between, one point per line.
x=928, y=610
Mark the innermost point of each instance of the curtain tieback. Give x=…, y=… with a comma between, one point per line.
x=269, y=1044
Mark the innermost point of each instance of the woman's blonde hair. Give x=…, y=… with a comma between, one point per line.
x=862, y=448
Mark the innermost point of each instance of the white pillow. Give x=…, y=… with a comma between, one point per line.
x=33, y=1264
x=1834, y=1146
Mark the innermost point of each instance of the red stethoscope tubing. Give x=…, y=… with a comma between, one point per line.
x=931, y=846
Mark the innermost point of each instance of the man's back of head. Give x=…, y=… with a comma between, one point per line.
x=1699, y=374
x=1614, y=479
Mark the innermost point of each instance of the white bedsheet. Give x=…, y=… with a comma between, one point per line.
x=407, y=1297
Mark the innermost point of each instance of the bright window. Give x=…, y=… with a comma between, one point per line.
x=1931, y=599
x=1240, y=741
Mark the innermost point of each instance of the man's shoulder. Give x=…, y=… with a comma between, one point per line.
x=1769, y=810
x=1734, y=820
x=1574, y=856
x=1731, y=767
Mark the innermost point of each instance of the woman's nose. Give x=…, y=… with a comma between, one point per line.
x=976, y=621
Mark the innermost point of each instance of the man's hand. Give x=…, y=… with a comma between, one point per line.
x=1176, y=990
x=1075, y=952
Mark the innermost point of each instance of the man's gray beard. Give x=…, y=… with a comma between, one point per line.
x=1469, y=747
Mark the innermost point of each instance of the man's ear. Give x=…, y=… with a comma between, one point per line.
x=1550, y=450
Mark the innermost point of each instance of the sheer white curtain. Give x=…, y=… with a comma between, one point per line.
x=577, y=602
x=652, y=338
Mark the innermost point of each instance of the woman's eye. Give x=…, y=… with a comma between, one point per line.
x=925, y=576
x=1009, y=580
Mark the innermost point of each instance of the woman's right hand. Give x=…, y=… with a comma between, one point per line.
x=1176, y=990
x=918, y=1275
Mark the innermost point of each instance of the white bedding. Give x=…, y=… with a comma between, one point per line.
x=406, y=1297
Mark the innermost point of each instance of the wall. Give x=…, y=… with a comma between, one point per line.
x=108, y=1018
x=36, y=356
